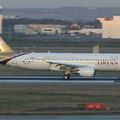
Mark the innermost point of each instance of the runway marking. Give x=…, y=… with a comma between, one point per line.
x=55, y=80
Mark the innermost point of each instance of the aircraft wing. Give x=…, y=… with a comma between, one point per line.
x=82, y=70
x=64, y=65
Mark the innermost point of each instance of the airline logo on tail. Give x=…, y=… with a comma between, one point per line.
x=4, y=48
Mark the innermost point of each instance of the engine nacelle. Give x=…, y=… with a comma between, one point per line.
x=55, y=68
x=86, y=72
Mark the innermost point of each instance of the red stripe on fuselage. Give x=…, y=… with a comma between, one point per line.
x=4, y=62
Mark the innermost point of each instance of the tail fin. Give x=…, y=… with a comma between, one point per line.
x=4, y=48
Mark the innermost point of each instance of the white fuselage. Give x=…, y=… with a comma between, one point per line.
x=41, y=61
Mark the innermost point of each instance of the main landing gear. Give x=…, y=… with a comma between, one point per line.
x=66, y=77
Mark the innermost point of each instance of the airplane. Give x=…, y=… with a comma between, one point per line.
x=83, y=64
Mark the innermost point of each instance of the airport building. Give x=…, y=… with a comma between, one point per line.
x=12, y=17
x=110, y=27
x=86, y=31
x=33, y=29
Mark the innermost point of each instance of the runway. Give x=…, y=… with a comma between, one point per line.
x=56, y=80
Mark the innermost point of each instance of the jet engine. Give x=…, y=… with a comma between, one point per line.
x=55, y=68
x=86, y=72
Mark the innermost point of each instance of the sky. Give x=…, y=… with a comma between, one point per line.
x=58, y=3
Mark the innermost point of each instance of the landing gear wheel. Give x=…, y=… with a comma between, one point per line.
x=67, y=77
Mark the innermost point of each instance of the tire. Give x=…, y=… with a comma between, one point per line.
x=67, y=77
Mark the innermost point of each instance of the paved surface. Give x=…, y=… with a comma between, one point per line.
x=56, y=80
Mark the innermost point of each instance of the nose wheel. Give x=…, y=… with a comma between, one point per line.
x=66, y=77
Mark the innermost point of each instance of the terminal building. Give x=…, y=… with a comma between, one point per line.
x=110, y=27
x=86, y=31
x=33, y=29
